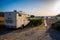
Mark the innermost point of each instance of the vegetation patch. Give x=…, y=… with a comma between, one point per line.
x=1, y=22
x=35, y=21
x=56, y=26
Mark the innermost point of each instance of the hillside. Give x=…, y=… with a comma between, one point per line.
x=58, y=15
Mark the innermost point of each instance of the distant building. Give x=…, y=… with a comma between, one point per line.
x=15, y=19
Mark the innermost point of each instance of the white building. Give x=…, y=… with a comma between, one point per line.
x=15, y=19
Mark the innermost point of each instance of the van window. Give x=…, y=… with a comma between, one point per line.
x=9, y=14
x=9, y=18
x=9, y=21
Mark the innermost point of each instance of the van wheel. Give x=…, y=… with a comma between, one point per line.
x=22, y=26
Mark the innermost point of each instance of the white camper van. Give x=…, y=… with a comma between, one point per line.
x=15, y=19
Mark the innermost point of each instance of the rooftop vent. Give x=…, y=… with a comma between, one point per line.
x=20, y=11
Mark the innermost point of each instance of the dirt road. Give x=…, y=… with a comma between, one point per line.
x=30, y=33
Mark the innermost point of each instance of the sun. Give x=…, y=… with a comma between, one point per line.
x=56, y=7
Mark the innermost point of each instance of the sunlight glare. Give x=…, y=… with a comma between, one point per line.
x=57, y=7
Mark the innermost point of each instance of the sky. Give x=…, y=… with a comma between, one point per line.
x=34, y=7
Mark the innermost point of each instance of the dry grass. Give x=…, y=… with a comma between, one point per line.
x=1, y=20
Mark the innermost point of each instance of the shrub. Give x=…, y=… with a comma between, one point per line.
x=35, y=21
x=56, y=26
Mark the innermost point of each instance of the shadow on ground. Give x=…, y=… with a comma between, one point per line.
x=4, y=30
x=55, y=35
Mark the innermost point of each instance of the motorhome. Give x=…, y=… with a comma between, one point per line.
x=16, y=19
